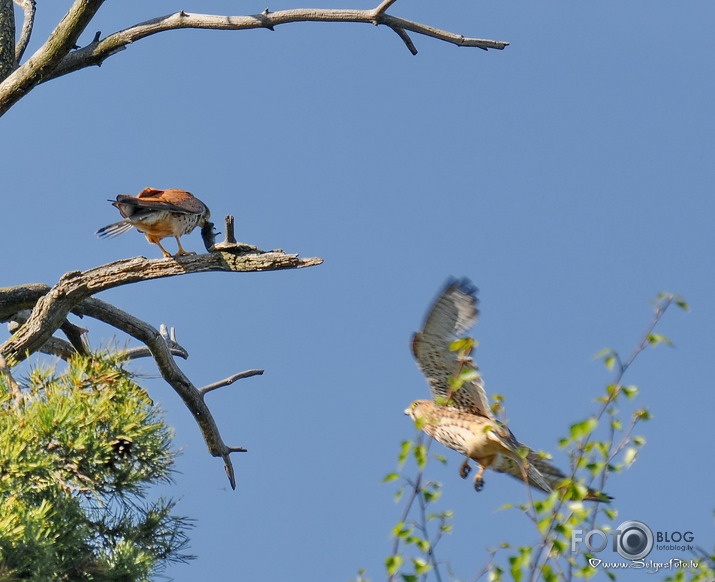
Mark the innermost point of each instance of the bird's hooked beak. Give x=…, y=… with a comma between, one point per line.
x=410, y=410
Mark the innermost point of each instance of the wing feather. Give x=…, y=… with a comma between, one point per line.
x=453, y=313
x=173, y=200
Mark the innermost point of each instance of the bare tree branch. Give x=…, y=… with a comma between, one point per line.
x=169, y=338
x=14, y=386
x=28, y=7
x=406, y=39
x=65, y=350
x=55, y=346
x=73, y=294
x=58, y=347
x=230, y=380
x=53, y=306
x=41, y=64
x=57, y=57
x=156, y=342
x=7, y=38
x=97, y=52
x=14, y=299
x=382, y=8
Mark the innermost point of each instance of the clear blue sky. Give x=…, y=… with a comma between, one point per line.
x=569, y=176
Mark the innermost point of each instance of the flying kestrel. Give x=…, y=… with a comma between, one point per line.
x=158, y=214
x=462, y=419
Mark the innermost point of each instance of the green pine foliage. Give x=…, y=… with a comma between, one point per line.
x=79, y=451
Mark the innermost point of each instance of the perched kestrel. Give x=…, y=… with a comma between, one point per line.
x=158, y=214
x=462, y=419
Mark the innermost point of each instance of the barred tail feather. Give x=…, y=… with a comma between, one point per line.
x=542, y=475
x=537, y=479
x=114, y=229
x=554, y=477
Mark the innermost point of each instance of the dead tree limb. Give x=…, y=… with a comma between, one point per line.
x=230, y=380
x=7, y=38
x=53, y=306
x=56, y=57
x=14, y=386
x=28, y=7
x=33, y=330
x=169, y=337
x=44, y=61
x=97, y=52
x=157, y=344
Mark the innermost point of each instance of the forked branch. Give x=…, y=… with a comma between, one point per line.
x=53, y=306
x=33, y=330
x=97, y=52
x=158, y=345
x=57, y=57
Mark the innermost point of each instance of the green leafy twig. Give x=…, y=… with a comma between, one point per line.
x=556, y=526
x=416, y=532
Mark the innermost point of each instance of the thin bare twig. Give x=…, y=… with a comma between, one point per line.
x=14, y=386
x=487, y=565
x=230, y=380
x=144, y=352
x=171, y=343
x=382, y=8
x=406, y=39
x=28, y=7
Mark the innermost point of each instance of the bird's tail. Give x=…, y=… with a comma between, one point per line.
x=541, y=474
x=554, y=477
x=114, y=229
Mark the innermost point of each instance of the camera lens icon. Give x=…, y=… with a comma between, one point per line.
x=635, y=540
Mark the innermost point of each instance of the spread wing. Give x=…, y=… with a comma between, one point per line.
x=452, y=314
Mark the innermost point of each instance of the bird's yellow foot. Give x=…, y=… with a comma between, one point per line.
x=478, y=481
x=465, y=469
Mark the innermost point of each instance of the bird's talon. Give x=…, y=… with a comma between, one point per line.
x=478, y=484
x=464, y=470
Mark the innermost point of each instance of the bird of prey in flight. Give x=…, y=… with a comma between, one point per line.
x=461, y=419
